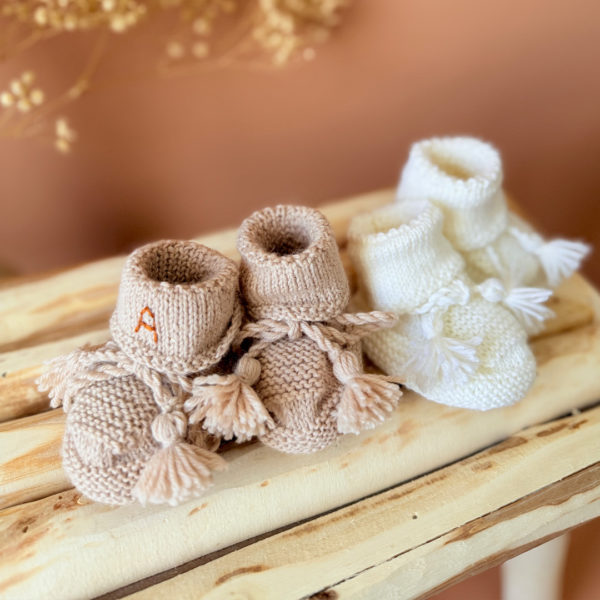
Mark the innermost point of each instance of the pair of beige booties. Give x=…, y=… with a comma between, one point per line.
x=203, y=351
x=467, y=279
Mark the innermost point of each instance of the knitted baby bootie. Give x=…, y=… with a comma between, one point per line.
x=127, y=436
x=300, y=382
x=463, y=176
x=451, y=344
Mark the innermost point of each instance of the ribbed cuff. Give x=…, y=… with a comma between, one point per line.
x=401, y=255
x=463, y=176
x=291, y=268
x=176, y=305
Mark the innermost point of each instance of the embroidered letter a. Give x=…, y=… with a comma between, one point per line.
x=149, y=326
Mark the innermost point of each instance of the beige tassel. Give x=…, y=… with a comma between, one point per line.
x=60, y=380
x=178, y=470
x=67, y=374
x=366, y=399
x=176, y=473
x=228, y=406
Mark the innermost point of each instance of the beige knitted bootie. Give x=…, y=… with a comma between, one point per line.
x=300, y=382
x=127, y=436
x=463, y=177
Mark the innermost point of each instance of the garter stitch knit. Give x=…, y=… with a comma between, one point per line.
x=127, y=435
x=463, y=176
x=451, y=344
x=299, y=381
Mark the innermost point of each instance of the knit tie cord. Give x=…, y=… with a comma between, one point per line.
x=229, y=406
x=178, y=470
x=435, y=357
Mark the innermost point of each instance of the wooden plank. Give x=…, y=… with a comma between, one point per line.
x=31, y=464
x=417, y=534
x=418, y=438
x=576, y=352
x=19, y=369
x=481, y=544
x=38, y=309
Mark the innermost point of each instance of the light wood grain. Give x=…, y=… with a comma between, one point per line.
x=481, y=544
x=264, y=489
x=20, y=368
x=30, y=464
x=421, y=533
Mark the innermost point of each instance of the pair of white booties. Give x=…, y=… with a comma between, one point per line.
x=467, y=278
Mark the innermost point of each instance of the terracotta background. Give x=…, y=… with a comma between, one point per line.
x=174, y=158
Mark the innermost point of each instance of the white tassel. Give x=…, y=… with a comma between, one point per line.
x=526, y=303
x=443, y=359
x=559, y=258
x=436, y=358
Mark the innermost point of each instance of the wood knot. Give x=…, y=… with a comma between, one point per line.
x=324, y=595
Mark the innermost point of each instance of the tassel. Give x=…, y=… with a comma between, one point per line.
x=559, y=258
x=178, y=470
x=442, y=359
x=59, y=381
x=526, y=303
x=176, y=473
x=228, y=405
x=366, y=399
x=67, y=374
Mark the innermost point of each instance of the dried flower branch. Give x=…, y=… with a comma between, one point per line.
x=215, y=33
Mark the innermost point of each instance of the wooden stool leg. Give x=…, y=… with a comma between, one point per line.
x=536, y=574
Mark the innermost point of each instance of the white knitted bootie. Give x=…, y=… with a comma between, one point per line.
x=451, y=344
x=463, y=176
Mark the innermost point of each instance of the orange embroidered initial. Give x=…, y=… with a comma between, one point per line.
x=150, y=327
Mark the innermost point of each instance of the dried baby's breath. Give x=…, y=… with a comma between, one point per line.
x=211, y=32
x=22, y=94
x=65, y=135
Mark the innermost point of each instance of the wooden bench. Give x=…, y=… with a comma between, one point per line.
x=433, y=495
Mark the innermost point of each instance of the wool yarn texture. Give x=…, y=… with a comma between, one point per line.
x=463, y=177
x=127, y=437
x=299, y=382
x=451, y=343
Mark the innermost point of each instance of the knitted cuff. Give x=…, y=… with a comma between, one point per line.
x=463, y=176
x=401, y=255
x=291, y=268
x=177, y=308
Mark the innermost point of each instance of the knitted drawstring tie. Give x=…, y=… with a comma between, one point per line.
x=178, y=470
x=436, y=358
x=229, y=406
